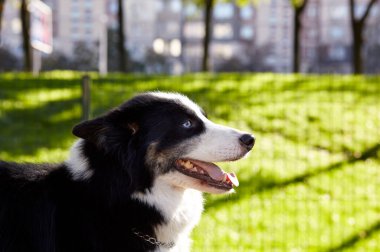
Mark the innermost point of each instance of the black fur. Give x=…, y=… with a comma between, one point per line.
x=43, y=209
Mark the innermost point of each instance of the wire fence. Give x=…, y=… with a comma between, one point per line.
x=312, y=182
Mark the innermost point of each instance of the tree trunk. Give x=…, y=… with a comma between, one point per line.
x=357, y=41
x=358, y=26
x=298, y=10
x=25, y=25
x=207, y=37
x=296, y=40
x=121, y=35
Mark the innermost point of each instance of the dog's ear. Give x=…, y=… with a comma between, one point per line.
x=99, y=129
x=91, y=129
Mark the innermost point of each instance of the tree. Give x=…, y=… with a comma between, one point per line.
x=121, y=35
x=209, y=4
x=358, y=25
x=25, y=25
x=299, y=7
x=8, y=61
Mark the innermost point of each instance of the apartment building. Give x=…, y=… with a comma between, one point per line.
x=11, y=28
x=232, y=40
x=73, y=21
x=327, y=36
x=77, y=21
x=258, y=38
x=274, y=34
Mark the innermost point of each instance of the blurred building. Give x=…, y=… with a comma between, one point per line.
x=76, y=22
x=11, y=28
x=335, y=37
x=327, y=36
x=274, y=36
x=232, y=40
x=167, y=35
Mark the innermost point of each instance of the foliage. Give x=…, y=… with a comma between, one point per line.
x=297, y=3
x=311, y=183
x=8, y=61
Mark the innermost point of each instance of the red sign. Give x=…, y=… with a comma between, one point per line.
x=41, y=30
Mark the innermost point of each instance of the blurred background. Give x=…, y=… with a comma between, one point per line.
x=178, y=36
x=302, y=75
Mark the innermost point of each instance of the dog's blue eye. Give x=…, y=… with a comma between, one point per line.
x=187, y=124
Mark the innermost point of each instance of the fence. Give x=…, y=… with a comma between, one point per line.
x=311, y=184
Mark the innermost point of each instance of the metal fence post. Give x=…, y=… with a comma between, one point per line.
x=86, y=81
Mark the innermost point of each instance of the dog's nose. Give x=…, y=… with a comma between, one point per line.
x=247, y=141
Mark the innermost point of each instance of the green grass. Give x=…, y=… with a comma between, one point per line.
x=312, y=182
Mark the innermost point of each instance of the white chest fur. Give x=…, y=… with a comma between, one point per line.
x=182, y=209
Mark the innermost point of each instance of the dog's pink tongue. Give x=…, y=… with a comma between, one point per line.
x=215, y=172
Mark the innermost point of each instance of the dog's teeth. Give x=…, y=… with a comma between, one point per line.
x=188, y=165
x=224, y=178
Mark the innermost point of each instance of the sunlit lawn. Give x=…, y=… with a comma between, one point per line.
x=312, y=182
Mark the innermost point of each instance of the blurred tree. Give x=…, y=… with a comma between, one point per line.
x=123, y=65
x=156, y=63
x=84, y=57
x=299, y=7
x=25, y=25
x=358, y=25
x=8, y=61
x=209, y=4
x=113, y=50
x=57, y=61
x=372, y=61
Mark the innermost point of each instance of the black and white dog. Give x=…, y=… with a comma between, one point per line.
x=133, y=181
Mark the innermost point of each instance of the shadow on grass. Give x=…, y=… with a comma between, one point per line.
x=24, y=131
x=354, y=239
x=258, y=183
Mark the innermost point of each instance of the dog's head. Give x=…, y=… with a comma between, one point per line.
x=167, y=136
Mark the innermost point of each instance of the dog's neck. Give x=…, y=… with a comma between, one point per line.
x=181, y=209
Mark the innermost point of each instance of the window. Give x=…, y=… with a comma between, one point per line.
x=190, y=10
x=311, y=11
x=112, y=7
x=359, y=10
x=175, y=47
x=224, y=51
x=194, y=30
x=159, y=46
x=246, y=32
x=175, y=6
x=337, y=53
x=172, y=28
x=224, y=11
x=223, y=31
x=75, y=14
x=74, y=29
x=336, y=32
x=339, y=12
x=88, y=5
x=246, y=12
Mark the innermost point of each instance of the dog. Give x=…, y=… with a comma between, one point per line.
x=132, y=182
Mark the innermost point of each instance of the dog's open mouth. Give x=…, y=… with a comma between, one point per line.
x=210, y=173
